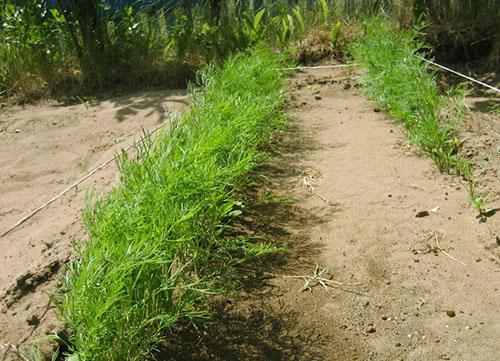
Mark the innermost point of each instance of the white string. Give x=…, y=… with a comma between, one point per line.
x=459, y=74
x=419, y=57
x=320, y=67
x=46, y=204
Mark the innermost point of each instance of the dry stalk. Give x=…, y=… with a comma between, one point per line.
x=311, y=281
x=445, y=253
x=307, y=181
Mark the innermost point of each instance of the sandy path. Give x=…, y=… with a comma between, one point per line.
x=375, y=238
x=44, y=149
x=360, y=223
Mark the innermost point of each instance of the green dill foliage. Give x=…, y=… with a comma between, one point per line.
x=406, y=87
x=156, y=246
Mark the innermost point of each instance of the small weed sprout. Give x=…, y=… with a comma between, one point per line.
x=479, y=202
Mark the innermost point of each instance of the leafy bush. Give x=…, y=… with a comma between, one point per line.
x=34, y=48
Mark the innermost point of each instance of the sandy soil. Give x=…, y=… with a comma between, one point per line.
x=365, y=221
x=44, y=149
x=367, y=208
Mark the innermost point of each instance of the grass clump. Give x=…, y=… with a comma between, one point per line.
x=406, y=87
x=156, y=244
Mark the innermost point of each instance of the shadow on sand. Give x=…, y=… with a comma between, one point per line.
x=254, y=323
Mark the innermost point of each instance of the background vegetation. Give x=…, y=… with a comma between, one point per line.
x=63, y=48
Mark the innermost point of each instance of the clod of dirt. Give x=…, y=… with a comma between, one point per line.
x=371, y=329
x=316, y=46
x=451, y=313
x=422, y=214
x=376, y=110
x=33, y=320
x=29, y=281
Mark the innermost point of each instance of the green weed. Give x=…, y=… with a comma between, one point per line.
x=324, y=10
x=494, y=108
x=83, y=47
x=480, y=201
x=406, y=87
x=336, y=32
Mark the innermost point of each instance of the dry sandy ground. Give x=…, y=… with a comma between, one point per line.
x=44, y=149
x=358, y=188
x=398, y=297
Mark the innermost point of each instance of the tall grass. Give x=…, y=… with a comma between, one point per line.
x=406, y=87
x=156, y=245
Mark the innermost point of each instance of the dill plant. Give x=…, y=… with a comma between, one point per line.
x=156, y=240
x=406, y=87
